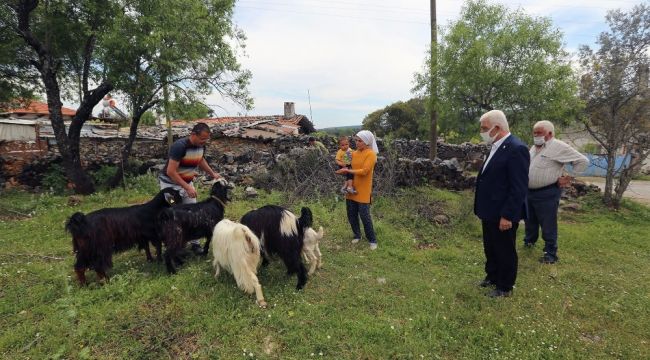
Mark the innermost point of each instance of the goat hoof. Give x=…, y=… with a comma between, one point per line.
x=262, y=304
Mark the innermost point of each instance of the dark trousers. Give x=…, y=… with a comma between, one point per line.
x=500, y=254
x=355, y=211
x=542, y=212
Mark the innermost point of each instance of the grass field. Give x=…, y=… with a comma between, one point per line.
x=414, y=297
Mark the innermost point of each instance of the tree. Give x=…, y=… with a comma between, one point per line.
x=187, y=46
x=59, y=40
x=406, y=120
x=496, y=58
x=182, y=109
x=18, y=80
x=614, y=87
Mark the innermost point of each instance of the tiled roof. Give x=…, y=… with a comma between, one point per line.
x=37, y=107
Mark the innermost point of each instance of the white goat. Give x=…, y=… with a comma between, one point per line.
x=311, y=250
x=236, y=248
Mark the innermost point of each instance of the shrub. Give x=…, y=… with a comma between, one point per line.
x=306, y=174
x=103, y=174
x=590, y=148
x=55, y=179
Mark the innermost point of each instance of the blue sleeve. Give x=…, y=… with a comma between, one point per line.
x=177, y=150
x=518, y=165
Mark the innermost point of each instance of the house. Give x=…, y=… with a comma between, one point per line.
x=20, y=129
x=259, y=127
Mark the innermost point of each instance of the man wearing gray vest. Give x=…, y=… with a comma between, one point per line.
x=545, y=180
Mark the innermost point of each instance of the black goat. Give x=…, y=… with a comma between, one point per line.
x=97, y=235
x=281, y=233
x=186, y=222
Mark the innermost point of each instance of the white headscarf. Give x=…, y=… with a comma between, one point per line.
x=369, y=139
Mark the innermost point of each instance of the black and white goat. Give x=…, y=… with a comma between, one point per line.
x=186, y=222
x=281, y=233
x=97, y=235
x=236, y=249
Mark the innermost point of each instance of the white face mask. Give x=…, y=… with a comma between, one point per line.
x=539, y=140
x=486, y=136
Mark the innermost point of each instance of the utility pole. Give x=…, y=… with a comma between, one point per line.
x=433, y=139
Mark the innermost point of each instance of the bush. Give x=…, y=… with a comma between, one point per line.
x=307, y=174
x=103, y=174
x=55, y=179
x=590, y=148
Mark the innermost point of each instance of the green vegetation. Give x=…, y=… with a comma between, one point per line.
x=414, y=297
x=590, y=148
x=496, y=57
x=406, y=120
x=342, y=130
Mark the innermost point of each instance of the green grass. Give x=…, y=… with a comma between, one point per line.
x=414, y=297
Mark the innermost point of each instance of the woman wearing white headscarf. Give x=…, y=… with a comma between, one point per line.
x=358, y=205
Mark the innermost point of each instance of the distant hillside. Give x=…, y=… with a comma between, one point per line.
x=342, y=130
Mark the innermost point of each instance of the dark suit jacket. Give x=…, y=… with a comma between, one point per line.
x=502, y=185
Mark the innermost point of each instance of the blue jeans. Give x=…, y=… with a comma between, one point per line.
x=542, y=212
x=358, y=210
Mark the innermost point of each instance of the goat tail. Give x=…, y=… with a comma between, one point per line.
x=320, y=232
x=252, y=243
x=306, y=218
x=244, y=269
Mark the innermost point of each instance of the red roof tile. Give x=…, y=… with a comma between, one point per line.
x=37, y=107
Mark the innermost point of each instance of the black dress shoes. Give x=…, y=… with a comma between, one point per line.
x=499, y=293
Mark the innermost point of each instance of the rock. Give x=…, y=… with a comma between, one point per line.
x=571, y=207
x=250, y=192
x=229, y=158
x=74, y=200
x=452, y=164
x=441, y=219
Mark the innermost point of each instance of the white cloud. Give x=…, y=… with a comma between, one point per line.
x=358, y=56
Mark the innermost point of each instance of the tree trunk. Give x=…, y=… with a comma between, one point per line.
x=609, y=177
x=126, y=153
x=126, y=150
x=69, y=152
x=625, y=178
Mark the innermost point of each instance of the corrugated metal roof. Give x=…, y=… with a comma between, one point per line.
x=18, y=122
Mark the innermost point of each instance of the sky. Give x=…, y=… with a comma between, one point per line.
x=339, y=60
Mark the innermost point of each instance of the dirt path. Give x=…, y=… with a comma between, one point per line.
x=638, y=190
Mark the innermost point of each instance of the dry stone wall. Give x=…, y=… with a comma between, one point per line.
x=238, y=158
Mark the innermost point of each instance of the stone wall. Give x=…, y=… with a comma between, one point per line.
x=237, y=157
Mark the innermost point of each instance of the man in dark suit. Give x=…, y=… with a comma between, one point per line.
x=500, y=201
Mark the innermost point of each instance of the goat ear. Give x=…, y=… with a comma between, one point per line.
x=169, y=198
